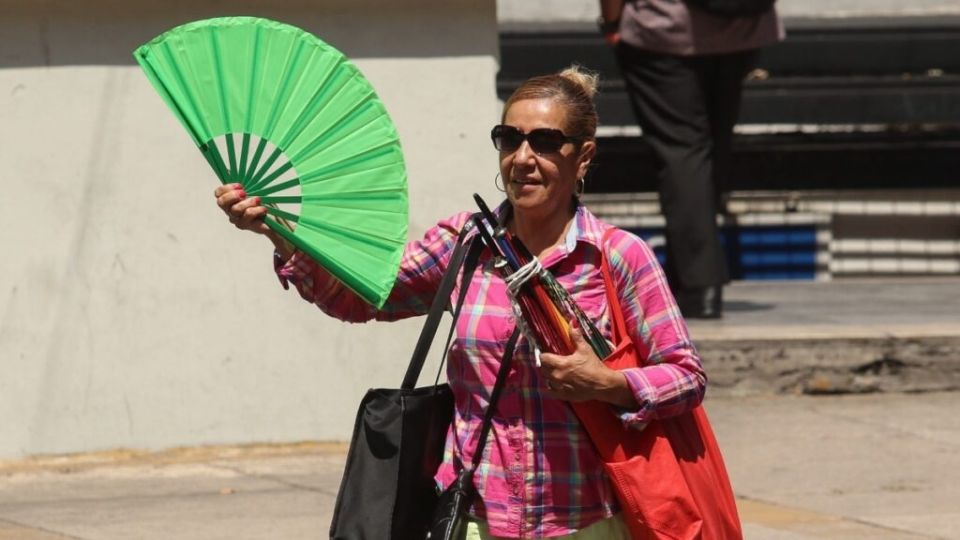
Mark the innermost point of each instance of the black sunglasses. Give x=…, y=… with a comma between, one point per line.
x=542, y=140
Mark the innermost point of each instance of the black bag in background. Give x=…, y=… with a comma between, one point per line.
x=733, y=8
x=387, y=490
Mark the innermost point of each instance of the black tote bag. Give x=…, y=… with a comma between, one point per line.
x=387, y=490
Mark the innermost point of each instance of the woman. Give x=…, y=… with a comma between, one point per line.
x=541, y=476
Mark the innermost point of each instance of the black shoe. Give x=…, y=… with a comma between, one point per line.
x=701, y=302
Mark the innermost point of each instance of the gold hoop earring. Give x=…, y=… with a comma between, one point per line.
x=498, y=184
x=580, y=187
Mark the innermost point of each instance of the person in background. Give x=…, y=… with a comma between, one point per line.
x=684, y=64
x=540, y=476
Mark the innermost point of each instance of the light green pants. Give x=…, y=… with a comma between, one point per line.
x=608, y=529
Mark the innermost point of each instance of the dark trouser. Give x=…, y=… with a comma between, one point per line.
x=686, y=107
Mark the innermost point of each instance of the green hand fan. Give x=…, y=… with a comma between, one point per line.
x=278, y=110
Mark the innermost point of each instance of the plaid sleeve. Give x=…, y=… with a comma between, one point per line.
x=421, y=269
x=673, y=380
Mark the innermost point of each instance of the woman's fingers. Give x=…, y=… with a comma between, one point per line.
x=229, y=195
x=248, y=214
x=573, y=377
x=244, y=212
x=224, y=188
x=553, y=370
x=251, y=215
x=581, y=376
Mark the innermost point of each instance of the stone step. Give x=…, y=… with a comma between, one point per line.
x=805, y=235
x=841, y=336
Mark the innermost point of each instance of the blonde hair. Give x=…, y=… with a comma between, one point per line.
x=574, y=88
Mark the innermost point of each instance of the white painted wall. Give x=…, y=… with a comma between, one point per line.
x=131, y=313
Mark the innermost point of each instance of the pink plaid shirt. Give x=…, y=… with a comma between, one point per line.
x=539, y=476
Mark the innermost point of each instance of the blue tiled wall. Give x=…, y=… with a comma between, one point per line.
x=762, y=252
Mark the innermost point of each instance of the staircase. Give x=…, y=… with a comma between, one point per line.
x=846, y=157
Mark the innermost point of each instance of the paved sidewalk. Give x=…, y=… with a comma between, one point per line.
x=880, y=466
x=875, y=308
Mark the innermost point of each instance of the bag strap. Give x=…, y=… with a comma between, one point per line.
x=440, y=301
x=469, y=265
x=495, y=396
x=465, y=255
x=613, y=300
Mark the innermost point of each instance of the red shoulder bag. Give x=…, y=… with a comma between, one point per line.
x=669, y=477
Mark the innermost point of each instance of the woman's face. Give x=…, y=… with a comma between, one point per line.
x=540, y=184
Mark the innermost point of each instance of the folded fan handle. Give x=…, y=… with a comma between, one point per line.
x=440, y=301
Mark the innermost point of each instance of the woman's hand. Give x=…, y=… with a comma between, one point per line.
x=245, y=213
x=582, y=376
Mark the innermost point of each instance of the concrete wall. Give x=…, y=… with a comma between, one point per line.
x=131, y=313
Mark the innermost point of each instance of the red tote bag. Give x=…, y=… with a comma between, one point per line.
x=669, y=477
